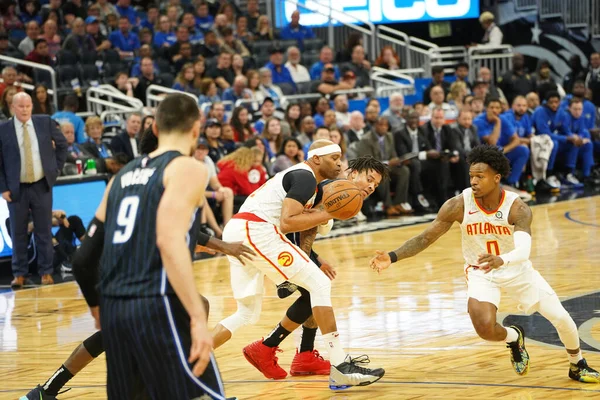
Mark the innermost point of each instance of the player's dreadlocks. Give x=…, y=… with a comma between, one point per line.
x=367, y=163
x=492, y=156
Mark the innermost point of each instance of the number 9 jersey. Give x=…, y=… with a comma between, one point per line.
x=131, y=263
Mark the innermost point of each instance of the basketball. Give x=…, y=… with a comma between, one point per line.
x=342, y=199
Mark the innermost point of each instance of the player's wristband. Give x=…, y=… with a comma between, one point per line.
x=393, y=256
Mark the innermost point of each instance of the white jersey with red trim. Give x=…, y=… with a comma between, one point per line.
x=486, y=231
x=266, y=201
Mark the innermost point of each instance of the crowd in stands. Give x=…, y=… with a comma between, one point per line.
x=219, y=53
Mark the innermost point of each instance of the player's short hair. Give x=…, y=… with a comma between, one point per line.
x=148, y=142
x=551, y=94
x=492, y=156
x=574, y=100
x=176, y=113
x=364, y=164
x=492, y=99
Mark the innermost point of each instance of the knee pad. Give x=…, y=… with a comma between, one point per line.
x=301, y=309
x=94, y=344
x=319, y=287
x=248, y=313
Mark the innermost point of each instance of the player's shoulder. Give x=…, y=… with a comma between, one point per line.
x=519, y=210
x=453, y=209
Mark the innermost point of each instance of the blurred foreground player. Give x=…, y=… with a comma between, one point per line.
x=496, y=243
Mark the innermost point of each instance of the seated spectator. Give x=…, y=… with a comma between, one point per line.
x=243, y=172
x=30, y=13
x=232, y=45
x=328, y=84
x=298, y=71
x=517, y=81
x=78, y=41
x=437, y=74
x=106, y=8
x=204, y=20
x=124, y=9
x=477, y=106
x=92, y=27
x=152, y=14
x=521, y=120
x=94, y=11
x=50, y=33
x=305, y=109
x=485, y=75
x=269, y=89
x=242, y=32
x=70, y=107
x=321, y=133
x=173, y=14
x=592, y=80
x=466, y=138
x=195, y=35
x=145, y=51
x=9, y=79
x=9, y=17
x=254, y=86
x=222, y=73
x=330, y=119
x=182, y=35
x=461, y=72
x=345, y=55
x=325, y=58
x=307, y=129
x=230, y=12
x=38, y=55
x=123, y=40
x=147, y=78
x=321, y=106
x=360, y=66
x=208, y=92
x=533, y=102
x=264, y=32
x=112, y=24
x=184, y=56
x=458, y=91
x=589, y=110
x=211, y=47
x=125, y=84
x=544, y=81
x=357, y=128
x=199, y=72
x=163, y=35
x=185, y=79
x=53, y=7
x=33, y=32
x=296, y=31
x=349, y=79
x=212, y=133
x=545, y=122
x=379, y=144
x=237, y=65
x=217, y=111
x=342, y=116
x=127, y=142
x=240, y=122
x=227, y=138
x=337, y=137
x=74, y=150
x=219, y=25
x=394, y=113
x=371, y=116
x=238, y=91
x=493, y=35
x=267, y=110
x=41, y=100
x=388, y=59
x=65, y=239
x=289, y=155
x=437, y=101
x=7, y=97
x=575, y=142
x=272, y=137
x=496, y=130
x=147, y=122
x=95, y=146
x=6, y=47
x=145, y=35
x=290, y=125
x=279, y=72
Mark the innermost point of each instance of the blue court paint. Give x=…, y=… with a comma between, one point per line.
x=568, y=216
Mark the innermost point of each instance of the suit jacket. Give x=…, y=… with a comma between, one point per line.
x=92, y=149
x=448, y=138
x=404, y=144
x=122, y=144
x=52, y=158
x=369, y=146
x=459, y=133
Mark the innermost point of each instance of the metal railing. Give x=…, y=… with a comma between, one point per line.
x=108, y=102
x=447, y=57
x=412, y=53
x=551, y=8
x=497, y=58
x=156, y=93
x=525, y=5
x=41, y=67
x=595, y=19
x=577, y=13
x=386, y=81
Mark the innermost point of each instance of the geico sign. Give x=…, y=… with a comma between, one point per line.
x=378, y=10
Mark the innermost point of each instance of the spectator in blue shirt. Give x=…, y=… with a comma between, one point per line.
x=204, y=21
x=279, y=72
x=238, y=91
x=151, y=18
x=126, y=42
x=589, y=110
x=575, y=141
x=196, y=36
x=545, y=123
x=70, y=106
x=325, y=57
x=496, y=130
x=125, y=10
x=296, y=31
x=145, y=51
x=164, y=36
x=520, y=119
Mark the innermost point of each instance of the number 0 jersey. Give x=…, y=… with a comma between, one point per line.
x=131, y=265
x=486, y=231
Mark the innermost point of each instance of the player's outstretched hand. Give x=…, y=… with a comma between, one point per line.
x=204, y=249
x=328, y=270
x=239, y=251
x=202, y=344
x=95, y=311
x=381, y=261
x=488, y=262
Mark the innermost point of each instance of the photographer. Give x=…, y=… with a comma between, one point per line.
x=65, y=240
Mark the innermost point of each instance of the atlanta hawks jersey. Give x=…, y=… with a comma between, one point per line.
x=486, y=231
x=266, y=201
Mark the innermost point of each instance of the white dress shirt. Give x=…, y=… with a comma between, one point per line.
x=134, y=146
x=299, y=72
x=38, y=169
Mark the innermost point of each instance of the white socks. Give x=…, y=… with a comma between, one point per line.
x=337, y=355
x=575, y=358
x=511, y=335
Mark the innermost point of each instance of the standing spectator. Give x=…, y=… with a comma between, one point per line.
x=325, y=59
x=296, y=31
x=95, y=146
x=297, y=70
x=269, y=89
x=70, y=107
x=289, y=155
x=394, y=112
x=517, y=81
x=147, y=78
x=212, y=132
x=342, y=116
x=493, y=35
x=307, y=130
x=124, y=9
x=592, y=80
x=279, y=72
x=379, y=144
x=242, y=171
x=264, y=30
x=9, y=78
x=92, y=28
x=290, y=125
x=388, y=59
x=204, y=20
x=240, y=122
x=222, y=73
x=50, y=33
x=33, y=32
x=272, y=138
x=123, y=40
x=127, y=141
x=78, y=41
x=360, y=66
x=437, y=74
x=41, y=100
x=577, y=73
x=238, y=91
x=30, y=167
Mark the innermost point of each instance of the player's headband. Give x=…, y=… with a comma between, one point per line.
x=323, y=151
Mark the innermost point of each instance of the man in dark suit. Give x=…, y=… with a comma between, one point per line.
x=465, y=139
x=379, y=144
x=32, y=152
x=127, y=142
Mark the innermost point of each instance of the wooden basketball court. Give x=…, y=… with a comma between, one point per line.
x=411, y=320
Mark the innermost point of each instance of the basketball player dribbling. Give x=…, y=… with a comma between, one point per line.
x=284, y=205
x=496, y=243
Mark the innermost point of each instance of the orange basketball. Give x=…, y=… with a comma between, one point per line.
x=342, y=199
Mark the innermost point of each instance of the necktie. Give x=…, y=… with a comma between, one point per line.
x=29, y=174
x=382, y=148
x=415, y=143
x=438, y=140
x=466, y=141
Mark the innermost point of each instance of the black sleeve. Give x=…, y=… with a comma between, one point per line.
x=86, y=261
x=300, y=185
x=320, y=188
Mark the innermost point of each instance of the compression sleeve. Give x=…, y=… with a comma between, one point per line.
x=86, y=261
x=300, y=185
x=521, y=251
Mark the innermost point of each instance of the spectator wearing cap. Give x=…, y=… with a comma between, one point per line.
x=125, y=41
x=493, y=35
x=92, y=27
x=349, y=79
x=238, y=91
x=125, y=10
x=222, y=73
x=279, y=72
x=33, y=32
x=437, y=75
x=328, y=84
x=360, y=66
x=212, y=133
x=78, y=41
x=269, y=89
x=325, y=58
x=267, y=110
x=298, y=71
x=296, y=31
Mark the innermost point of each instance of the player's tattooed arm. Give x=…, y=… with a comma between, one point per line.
x=520, y=216
x=307, y=238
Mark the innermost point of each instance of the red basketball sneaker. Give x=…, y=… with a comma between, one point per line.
x=263, y=358
x=309, y=363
